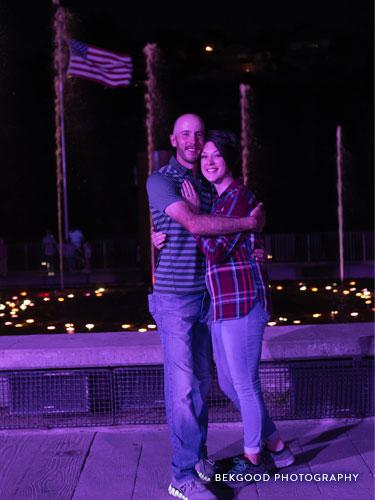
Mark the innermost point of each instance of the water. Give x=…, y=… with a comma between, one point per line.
x=121, y=309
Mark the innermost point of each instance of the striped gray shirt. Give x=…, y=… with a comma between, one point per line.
x=180, y=267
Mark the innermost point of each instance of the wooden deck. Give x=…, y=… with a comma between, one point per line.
x=133, y=463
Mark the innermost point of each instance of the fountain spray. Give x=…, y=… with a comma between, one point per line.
x=340, y=214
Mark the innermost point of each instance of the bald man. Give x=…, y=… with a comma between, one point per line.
x=180, y=303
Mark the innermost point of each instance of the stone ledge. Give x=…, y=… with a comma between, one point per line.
x=133, y=348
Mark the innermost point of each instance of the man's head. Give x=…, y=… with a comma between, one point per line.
x=188, y=139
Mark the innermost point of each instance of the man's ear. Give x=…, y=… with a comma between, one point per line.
x=172, y=138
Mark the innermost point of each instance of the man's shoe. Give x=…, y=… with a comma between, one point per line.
x=191, y=490
x=205, y=469
x=243, y=471
x=281, y=458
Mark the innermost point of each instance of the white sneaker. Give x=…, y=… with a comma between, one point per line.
x=205, y=469
x=191, y=490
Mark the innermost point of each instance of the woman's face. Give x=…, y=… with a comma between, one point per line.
x=213, y=165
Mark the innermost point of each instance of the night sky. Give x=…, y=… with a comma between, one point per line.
x=318, y=73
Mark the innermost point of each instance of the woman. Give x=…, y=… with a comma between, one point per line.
x=238, y=288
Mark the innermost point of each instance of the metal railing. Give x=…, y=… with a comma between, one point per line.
x=106, y=254
x=323, y=388
x=320, y=247
x=295, y=247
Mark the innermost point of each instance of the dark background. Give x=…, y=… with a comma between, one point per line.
x=317, y=72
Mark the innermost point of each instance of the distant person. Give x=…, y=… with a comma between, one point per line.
x=69, y=252
x=87, y=253
x=3, y=258
x=49, y=244
x=77, y=239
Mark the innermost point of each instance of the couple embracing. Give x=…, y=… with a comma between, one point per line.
x=210, y=292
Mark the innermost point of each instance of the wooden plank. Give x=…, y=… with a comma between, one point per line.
x=279, y=489
x=320, y=434
x=223, y=444
x=135, y=464
x=17, y=453
x=55, y=467
x=365, y=450
x=361, y=430
x=338, y=455
x=224, y=441
x=329, y=430
x=110, y=470
x=291, y=430
x=154, y=470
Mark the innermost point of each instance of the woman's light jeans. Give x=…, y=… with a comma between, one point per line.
x=237, y=347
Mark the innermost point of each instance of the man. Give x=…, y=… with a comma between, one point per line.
x=180, y=303
x=76, y=239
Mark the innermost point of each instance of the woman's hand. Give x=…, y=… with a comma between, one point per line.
x=191, y=196
x=260, y=255
x=158, y=239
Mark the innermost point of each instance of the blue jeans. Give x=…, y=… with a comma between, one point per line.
x=182, y=324
x=237, y=346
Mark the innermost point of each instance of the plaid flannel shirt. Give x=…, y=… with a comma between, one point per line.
x=233, y=277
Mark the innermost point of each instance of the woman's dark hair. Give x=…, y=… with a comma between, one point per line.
x=227, y=143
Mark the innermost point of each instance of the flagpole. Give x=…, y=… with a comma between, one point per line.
x=59, y=27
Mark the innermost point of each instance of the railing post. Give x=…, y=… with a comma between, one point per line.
x=26, y=256
x=105, y=254
x=308, y=247
x=363, y=246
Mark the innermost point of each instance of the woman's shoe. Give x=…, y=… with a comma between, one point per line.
x=281, y=458
x=242, y=472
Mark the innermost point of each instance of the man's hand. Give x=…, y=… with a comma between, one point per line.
x=158, y=239
x=191, y=196
x=257, y=219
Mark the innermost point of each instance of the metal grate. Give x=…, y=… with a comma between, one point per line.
x=135, y=395
x=139, y=395
x=292, y=390
x=58, y=398
x=340, y=388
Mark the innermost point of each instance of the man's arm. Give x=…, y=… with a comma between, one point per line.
x=207, y=225
x=163, y=195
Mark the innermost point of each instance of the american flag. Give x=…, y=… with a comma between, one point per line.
x=102, y=66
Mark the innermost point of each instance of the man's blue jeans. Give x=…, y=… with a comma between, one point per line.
x=182, y=324
x=237, y=346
